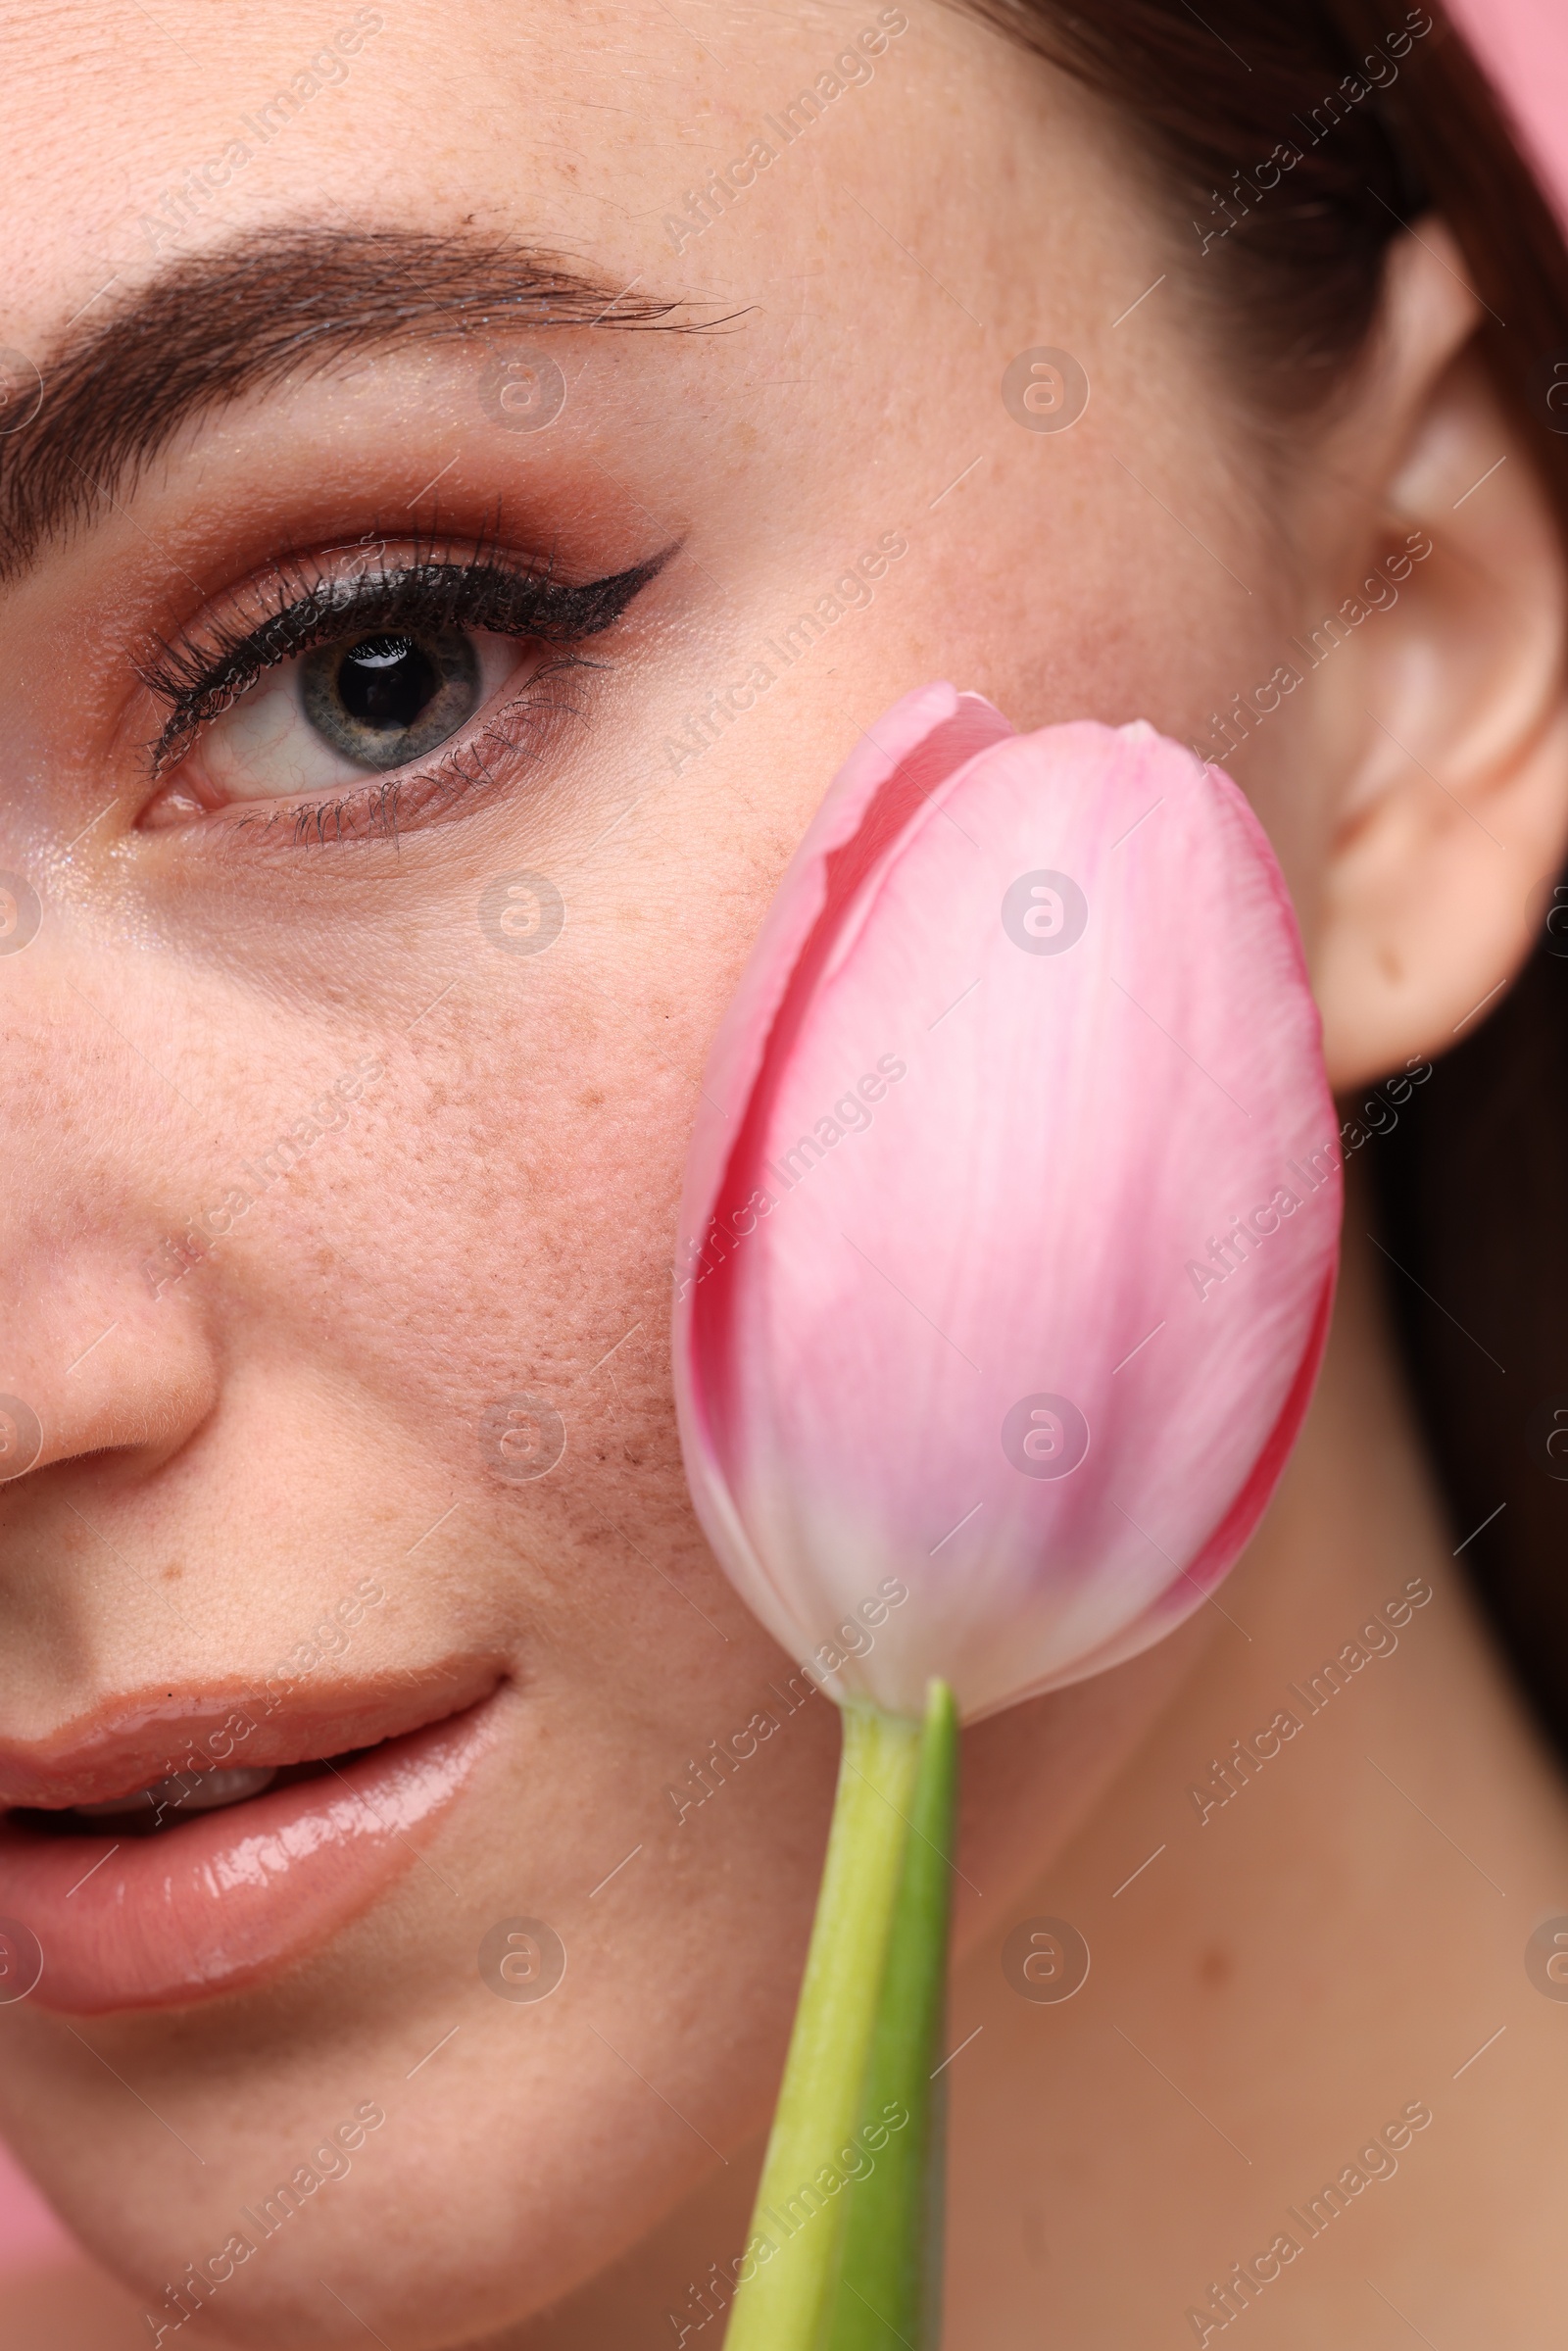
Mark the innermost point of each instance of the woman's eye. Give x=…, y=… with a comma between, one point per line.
x=383, y=700
x=344, y=711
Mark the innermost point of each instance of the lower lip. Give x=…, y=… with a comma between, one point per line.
x=222, y=1900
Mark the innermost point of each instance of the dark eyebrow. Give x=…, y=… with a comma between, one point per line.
x=272, y=304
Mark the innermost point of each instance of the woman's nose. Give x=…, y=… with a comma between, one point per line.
x=96, y=1357
x=139, y=1384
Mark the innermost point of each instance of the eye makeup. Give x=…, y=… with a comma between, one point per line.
x=381, y=636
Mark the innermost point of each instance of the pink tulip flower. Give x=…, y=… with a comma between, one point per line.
x=1010, y=1231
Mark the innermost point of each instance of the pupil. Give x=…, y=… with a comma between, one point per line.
x=391, y=694
x=386, y=682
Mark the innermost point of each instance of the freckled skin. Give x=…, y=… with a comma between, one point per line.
x=306, y=1403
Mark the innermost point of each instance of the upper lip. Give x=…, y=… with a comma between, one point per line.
x=131, y=1742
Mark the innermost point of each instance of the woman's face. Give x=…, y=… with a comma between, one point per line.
x=457, y=543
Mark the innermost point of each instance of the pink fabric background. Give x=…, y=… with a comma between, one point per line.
x=29, y=2234
x=1524, y=44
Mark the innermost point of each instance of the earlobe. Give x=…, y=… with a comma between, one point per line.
x=1447, y=723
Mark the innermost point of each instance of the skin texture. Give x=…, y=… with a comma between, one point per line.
x=306, y=1406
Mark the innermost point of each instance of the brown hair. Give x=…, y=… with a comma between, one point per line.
x=1386, y=114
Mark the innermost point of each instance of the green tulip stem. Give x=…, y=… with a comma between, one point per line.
x=845, y=2239
x=889, y=2289
x=782, y=2302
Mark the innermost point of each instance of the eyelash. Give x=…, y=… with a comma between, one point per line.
x=303, y=604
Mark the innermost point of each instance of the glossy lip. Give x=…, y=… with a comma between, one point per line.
x=127, y=1743
x=228, y=1897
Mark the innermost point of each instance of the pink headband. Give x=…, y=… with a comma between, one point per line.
x=1524, y=46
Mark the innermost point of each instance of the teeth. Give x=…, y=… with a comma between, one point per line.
x=186, y=1792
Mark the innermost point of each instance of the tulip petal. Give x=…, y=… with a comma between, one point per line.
x=912, y=750
x=1009, y=1244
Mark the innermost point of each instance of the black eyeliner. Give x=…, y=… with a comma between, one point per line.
x=200, y=681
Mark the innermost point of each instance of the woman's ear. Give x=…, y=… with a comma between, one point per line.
x=1437, y=688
